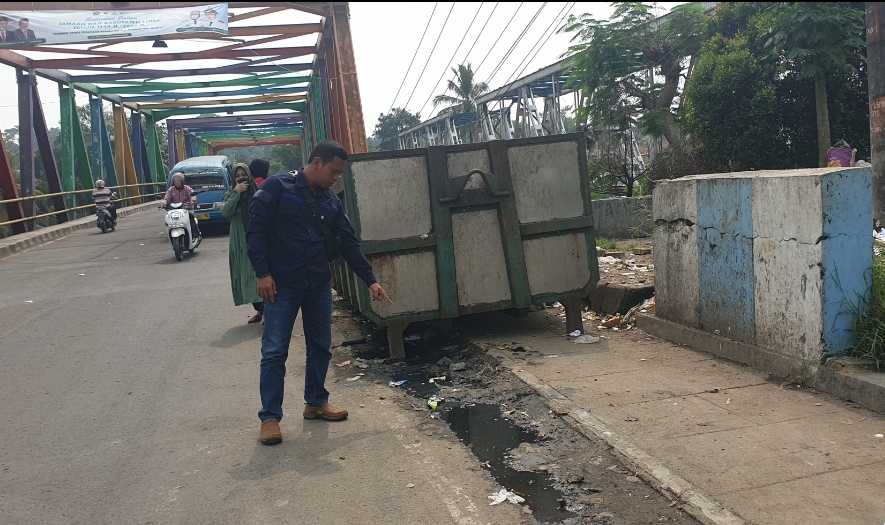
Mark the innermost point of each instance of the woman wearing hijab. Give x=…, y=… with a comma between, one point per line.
x=236, y=210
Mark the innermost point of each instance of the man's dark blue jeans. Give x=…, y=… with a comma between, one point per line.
x=315, y=304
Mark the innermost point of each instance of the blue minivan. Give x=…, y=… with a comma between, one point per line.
x=210, y=177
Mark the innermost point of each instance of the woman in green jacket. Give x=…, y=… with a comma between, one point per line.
x=236, y=210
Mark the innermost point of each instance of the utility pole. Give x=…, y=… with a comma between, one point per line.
x=875, y=14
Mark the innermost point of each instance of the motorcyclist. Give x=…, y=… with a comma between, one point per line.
x=180, y=192
x=102, y=198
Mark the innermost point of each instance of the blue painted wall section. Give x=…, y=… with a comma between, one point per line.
x=725, y=257
x=847, y=253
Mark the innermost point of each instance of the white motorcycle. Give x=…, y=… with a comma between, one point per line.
x=178, y=223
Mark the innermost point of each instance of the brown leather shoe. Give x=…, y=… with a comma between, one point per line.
x=325, y=411
x=270, y=432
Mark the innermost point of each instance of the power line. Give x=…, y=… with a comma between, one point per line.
x=409, y=69
x=446, y=69
x=441, y=31
x=517, y=41
x=545, y=36
x=481, y=31
x=495, y=43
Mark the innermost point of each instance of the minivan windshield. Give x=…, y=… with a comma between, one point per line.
x=204, y=180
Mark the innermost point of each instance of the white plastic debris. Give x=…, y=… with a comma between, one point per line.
x=505, y=495
x=354, y=378
x=82, y=274
x=433, y=380
x=343, y=364
x=29, y=301
x=586, y=339
x=607, y=259
x=576, y=333
x=879, y=436
x=398, y=383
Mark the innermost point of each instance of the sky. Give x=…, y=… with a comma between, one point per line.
x=385, y=37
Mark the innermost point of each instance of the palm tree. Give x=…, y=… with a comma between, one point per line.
x=464, y=91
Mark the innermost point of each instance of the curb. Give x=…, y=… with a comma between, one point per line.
x=19, y=243
x=700, y=506
x=863, y=387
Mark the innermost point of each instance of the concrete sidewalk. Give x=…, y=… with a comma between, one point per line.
x=722, y=432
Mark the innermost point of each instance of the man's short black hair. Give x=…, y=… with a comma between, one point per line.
x=327, y=151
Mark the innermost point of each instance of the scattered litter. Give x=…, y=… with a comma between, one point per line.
x=576, y=333
x=643, y=359
x=401, y=382
x=354, y=378
x=607, y=259
x=505, y=495
x=818, y=404
x=613, y=321
x=343, y=364
x=551, y=356
x=82, y=274
x=879, y=436
x=29, y=301
x=433, y=380
x=141, y=244
x=728, y=401
x=361, y=364
x=410, y=486
x=557, y=305
x=587, y=339
x=434, y=402
x=631, y=419
x=633, y=479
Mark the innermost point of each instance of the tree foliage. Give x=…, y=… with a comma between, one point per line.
x=810, y=40
x=390, y=125
x=461, y=93
x=631, y=66
x=749, y=107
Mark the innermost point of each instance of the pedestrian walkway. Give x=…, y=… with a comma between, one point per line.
x=769, y=452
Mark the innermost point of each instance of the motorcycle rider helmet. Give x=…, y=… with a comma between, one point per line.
x=99, y=184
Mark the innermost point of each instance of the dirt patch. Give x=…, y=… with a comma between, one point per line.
x=564, y=477
x=631, y=263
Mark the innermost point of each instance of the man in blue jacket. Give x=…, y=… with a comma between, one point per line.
x=296, y=227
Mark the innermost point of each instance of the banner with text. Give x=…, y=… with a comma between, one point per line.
x=30, y=28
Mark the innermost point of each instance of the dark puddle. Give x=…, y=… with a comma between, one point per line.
x=490, y=436
x=417, y=383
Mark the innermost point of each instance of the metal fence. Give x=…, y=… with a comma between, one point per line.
x=128, y=192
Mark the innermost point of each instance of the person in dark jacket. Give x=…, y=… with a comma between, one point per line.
x=259, y=169
x=293, y=221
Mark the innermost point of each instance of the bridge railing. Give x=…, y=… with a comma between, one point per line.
x=129, y=192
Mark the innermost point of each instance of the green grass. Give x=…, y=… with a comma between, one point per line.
x=605, y=244
x=869, y=328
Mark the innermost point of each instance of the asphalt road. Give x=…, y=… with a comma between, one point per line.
x=129, y=391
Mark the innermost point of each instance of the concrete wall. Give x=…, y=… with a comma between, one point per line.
x=623, y=218
x=767, y=258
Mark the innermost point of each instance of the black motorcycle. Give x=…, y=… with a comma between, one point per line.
x=104, y=220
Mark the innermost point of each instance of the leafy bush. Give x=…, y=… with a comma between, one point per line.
x=869, y=328
x=605, y=244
